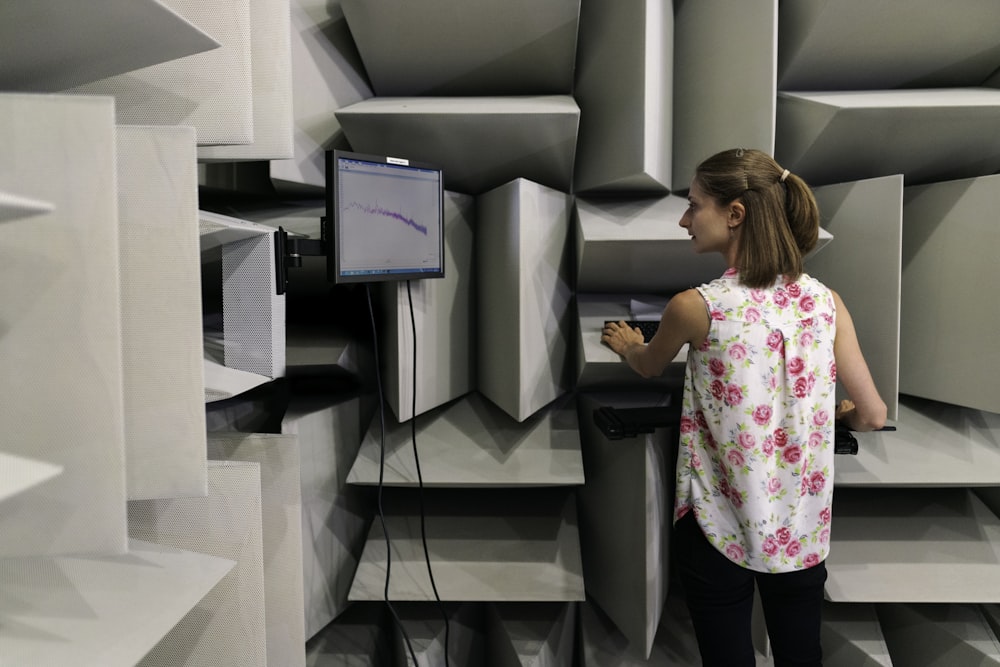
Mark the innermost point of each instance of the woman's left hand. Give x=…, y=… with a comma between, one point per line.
x=844, y=407
x=619, y=336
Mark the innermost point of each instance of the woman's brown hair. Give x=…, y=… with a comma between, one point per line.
x=782, y=219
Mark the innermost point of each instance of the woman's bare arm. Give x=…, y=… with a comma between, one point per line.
x=685, y=321
x=866, y=410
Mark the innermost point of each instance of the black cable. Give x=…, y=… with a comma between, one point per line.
x=420, y=478
x=381, y=478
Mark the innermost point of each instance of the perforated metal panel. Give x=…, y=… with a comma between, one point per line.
x=271, y=75
x=60, y=326
x=227, y=626
x=210, y=91
x=326, y=75
x=18, y=473
x=14, y=207
x=358, y=638
x=222, y=382
x=98, y=611
x=99, y=39
x=281, y=511
x=335, y=514
x=253, y=314
x=161, y=312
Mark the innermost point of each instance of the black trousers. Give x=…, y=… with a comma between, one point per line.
x=719, y=595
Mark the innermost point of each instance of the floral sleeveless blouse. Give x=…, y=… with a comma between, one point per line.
x=756, y=442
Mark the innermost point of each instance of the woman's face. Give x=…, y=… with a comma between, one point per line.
x=707, y=222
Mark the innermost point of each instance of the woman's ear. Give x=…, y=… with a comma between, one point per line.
x=737, y=213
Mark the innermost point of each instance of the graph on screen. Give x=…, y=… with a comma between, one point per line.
x=377, y=210
x=388, y=219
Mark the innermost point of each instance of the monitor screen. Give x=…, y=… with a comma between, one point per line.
x=385, y=218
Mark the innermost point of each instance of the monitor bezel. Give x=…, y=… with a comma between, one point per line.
x=333, y=222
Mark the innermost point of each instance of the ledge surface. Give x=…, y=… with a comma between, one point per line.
x=940, y=545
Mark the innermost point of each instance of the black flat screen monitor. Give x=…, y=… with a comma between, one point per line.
x=385, y=219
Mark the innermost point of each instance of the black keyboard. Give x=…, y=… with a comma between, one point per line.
x=647, y=327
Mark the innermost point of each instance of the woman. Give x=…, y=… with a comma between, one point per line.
x=755, y=466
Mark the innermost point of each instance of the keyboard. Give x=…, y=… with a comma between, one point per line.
x=647, y=327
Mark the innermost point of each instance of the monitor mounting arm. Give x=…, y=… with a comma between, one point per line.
x=289, y=251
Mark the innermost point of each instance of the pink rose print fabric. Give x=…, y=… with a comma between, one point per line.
x=756, y=441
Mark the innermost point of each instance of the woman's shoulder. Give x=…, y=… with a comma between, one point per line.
x=816, y=284
x=689, y=298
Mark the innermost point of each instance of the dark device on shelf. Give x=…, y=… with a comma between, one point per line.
x=618, y=423
x=844, y=441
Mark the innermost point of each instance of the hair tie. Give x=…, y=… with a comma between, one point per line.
x=784, y=175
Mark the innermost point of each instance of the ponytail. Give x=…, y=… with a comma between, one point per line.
x=802, y=213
